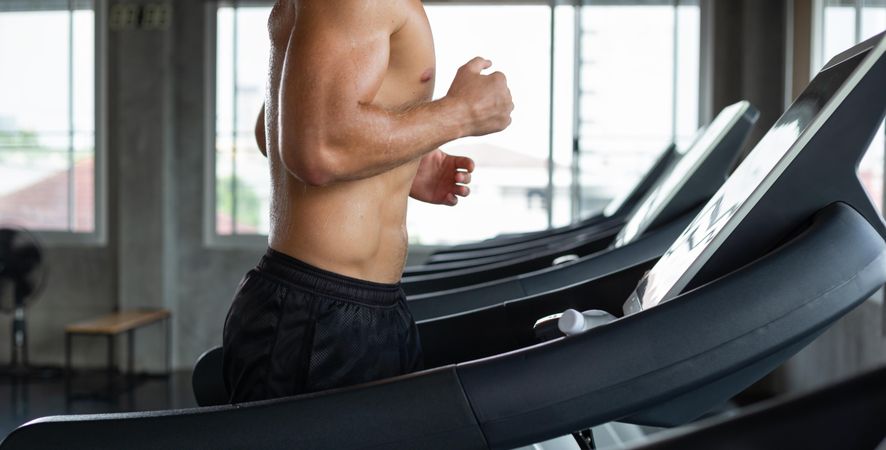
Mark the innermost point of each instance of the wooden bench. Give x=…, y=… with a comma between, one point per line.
x=110, y=326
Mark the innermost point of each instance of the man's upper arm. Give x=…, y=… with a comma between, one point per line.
x=335, y=62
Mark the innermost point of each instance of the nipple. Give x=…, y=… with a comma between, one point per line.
x=427, y=75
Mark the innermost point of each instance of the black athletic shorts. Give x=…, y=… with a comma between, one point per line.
x=294, y=328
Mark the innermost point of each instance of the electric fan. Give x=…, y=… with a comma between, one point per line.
x=22, y=276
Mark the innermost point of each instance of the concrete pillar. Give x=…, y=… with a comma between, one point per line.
x=748, y=57
x=139, y=147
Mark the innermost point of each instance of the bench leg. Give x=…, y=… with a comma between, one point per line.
x=130, y=358
x=168, y=346
x=110, y=371
x=168, y=326
x=68, y=369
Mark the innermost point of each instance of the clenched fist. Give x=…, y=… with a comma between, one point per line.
x=486, y=98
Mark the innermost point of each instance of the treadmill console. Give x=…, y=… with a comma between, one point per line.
x=655, y=201
x=766, y=162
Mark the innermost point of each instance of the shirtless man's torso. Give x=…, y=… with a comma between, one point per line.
x=350, y=132
x=384, y=55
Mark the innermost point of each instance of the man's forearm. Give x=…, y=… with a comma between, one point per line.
x=407, y=135
x=370, y=140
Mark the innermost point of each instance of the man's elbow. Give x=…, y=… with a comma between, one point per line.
x=314, y=168
x=317, y=177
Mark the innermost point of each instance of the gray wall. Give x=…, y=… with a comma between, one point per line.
x=747, y=57
x=204, y=278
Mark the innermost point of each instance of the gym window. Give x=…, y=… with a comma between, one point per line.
x=511, y=176
x=638, y=92
x=48, y=129
x=840, y=24
x=241, y=182
x=639, y=68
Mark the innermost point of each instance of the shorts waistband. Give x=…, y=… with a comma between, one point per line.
x=324, y=282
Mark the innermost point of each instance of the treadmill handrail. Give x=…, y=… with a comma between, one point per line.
x=473, y=275
x=512, y=248
x=549, y=244
x=465, y=298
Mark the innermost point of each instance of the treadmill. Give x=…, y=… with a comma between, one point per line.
x=616, y=209
x=585, y=240
x=692, y=180
x=595, y=229
x=730, y=300
x=615, y=212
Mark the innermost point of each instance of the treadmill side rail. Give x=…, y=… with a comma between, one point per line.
x=567, y=276
x=426, y=410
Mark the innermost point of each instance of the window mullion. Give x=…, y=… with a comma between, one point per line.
x=71, y=181
x=235, y=59
x=550, y=191
x=857, y=21
x=674, y=70
x=576, y=114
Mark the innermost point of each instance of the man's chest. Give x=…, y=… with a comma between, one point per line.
x=412, y=62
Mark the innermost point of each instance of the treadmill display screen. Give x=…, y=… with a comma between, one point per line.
x=692, y=249
x=652, y=204
x=616, y=203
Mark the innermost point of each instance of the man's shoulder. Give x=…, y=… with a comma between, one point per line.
x=390, y=15
x=364, y=8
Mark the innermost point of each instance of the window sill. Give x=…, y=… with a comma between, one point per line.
x=70, y=239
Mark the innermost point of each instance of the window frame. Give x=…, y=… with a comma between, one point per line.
x=98, y=237
x=213, y=239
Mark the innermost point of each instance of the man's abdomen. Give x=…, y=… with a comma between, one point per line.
x=356, y=228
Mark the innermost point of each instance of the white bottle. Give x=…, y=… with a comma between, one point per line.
x=573, y=322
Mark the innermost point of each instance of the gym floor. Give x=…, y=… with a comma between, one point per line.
x=20, y=403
